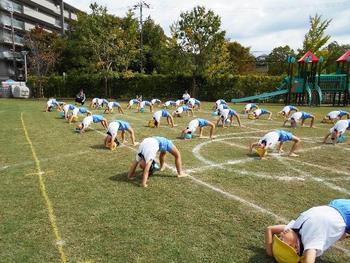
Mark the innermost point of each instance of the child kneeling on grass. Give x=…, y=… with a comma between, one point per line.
x=337, y=130
x=333, y=116
x=259, y=112
x=249, y=107
x=227, y=115
x=300, y=115
x=163, y=113
x=113, y=104
x=75, y=112
x=111, y=140
x=311, y=234
x=287, y=110
x=182, y=109
x=194, y=124
x=145, y=157
x=271, y=139
x=92, y=119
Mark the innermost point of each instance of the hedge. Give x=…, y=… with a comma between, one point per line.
x=150, y=86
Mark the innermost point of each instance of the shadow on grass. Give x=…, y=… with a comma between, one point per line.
x=259, y=255
x=99, y=147
x=253, y=156
x=123, y=177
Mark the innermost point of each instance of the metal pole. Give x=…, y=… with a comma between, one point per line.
x=140, y=5
x=13, y=44
x=62, y=17
x=25, y=68
x=141, y=38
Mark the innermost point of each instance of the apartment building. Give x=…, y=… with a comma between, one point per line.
x=19, y=16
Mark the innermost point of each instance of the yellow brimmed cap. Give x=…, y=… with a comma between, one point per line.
x=114, y=145
x=251, y=116
x=283, y=253
x=262, y=152
x=151, y=124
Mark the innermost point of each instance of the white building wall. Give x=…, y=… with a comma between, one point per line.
x=31, y=12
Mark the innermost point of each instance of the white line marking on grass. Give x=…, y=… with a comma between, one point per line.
x=346, y=149
x=317, y=179
x=48, y=202
x=234, y=145
x=338, y=179
x=228, y=195
x=240, y=133
x=61, y=156
x=310, y=149
x=218, y=165
x=321, y=167
x=237, y=198
x=265, y=176
x=232, y=196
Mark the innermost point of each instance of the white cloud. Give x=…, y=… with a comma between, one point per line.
x=260, y=24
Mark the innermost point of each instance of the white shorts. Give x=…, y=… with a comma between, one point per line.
x=193, y=125
x=178, y=102
x=271, y=139
x=142, y=104
x=179, y=110
x=257, y=112
x=333, y=115
x=113, y=128
x=157, y=115
x=296, y=116
x=75, y=112
x=148, y=148
x=66, y=108
x=87, y=121
x=341, y=126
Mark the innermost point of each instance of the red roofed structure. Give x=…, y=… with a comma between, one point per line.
x=345, y=57
x=308, y=54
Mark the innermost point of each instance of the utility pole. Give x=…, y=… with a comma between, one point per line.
x=60, y=4
x=25, y=53
x=10, y=8
x=140, y=5
x=62, y=17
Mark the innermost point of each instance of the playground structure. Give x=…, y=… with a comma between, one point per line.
x=310, y=87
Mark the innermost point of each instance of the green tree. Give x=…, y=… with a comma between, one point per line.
x=332, y=52
x=241, y=61
x=198, y=34
x=174, y=60
x=277, y=60
x=44, y=53
x=154, y=40
x=316, y=38
x=104, y=43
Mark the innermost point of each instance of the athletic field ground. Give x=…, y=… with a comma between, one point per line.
x=65, y=198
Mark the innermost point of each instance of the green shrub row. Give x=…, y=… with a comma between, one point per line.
x=150, y=86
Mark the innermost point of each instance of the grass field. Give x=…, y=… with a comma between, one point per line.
x=64, y=197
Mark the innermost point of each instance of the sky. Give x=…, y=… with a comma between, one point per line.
x=259, y=24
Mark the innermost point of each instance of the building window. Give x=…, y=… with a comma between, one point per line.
x=8, y=5
x=6, y=37
x=6, y=20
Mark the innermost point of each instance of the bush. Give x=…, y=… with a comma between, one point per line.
x=126, y=86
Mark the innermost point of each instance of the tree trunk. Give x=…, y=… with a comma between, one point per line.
x=194, y=89
x=106, y=86
x=41, y=90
